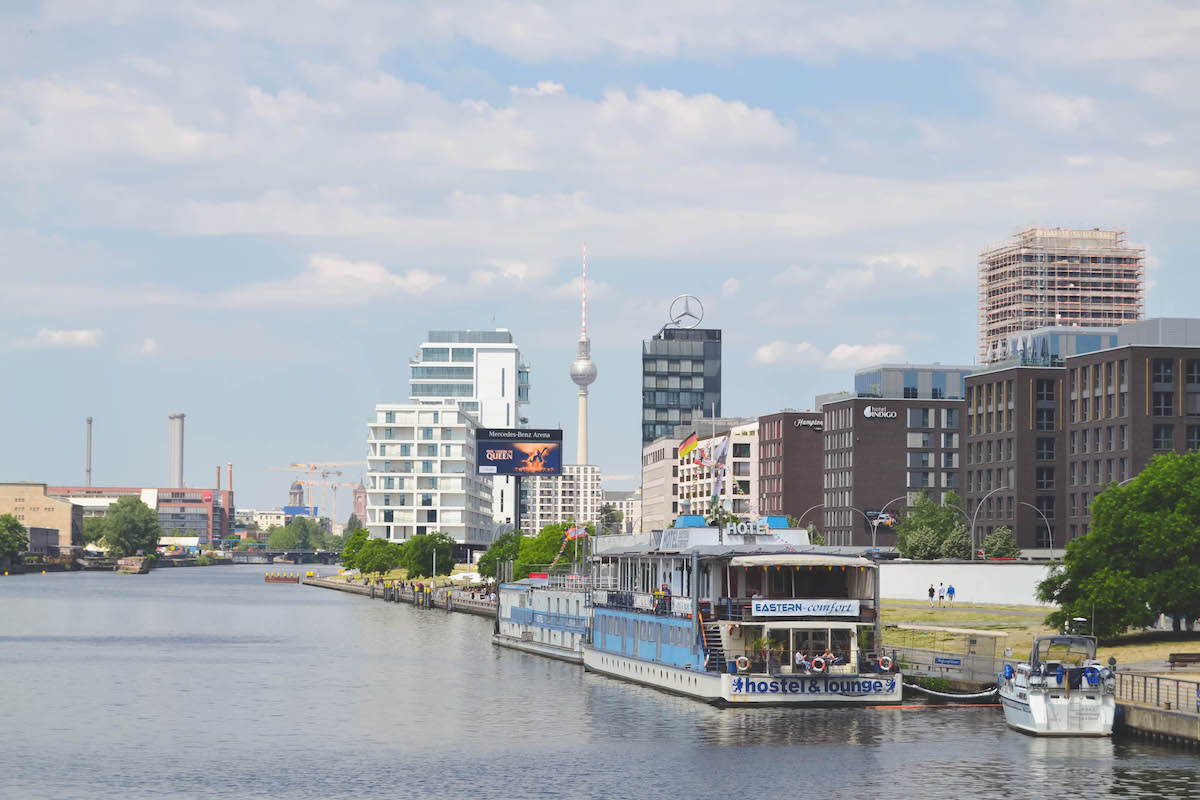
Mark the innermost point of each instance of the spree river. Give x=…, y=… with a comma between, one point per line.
x=208, y=683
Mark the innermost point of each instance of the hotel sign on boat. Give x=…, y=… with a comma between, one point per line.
x=804, y=608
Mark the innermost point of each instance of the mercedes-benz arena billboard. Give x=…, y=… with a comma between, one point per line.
x=518, y=451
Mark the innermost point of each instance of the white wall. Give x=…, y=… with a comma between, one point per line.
x=1014, y=583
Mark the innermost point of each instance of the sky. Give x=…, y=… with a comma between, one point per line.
x=252, y=212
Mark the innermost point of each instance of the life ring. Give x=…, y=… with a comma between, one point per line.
x=818, y=664
x=885, y=663
x=742, y=663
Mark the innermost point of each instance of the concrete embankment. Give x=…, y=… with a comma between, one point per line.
x=443, y=598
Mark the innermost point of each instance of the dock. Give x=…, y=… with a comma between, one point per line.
x=1159, y=709
x=445, y=598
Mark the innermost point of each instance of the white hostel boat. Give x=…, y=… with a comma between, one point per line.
x=1061, y=691
x=724, y=622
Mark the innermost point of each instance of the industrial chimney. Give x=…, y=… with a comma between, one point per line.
x=175, y=452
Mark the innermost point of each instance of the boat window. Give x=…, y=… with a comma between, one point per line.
x=810, y=641
x=1068, y=651
x=781, y=637
x=840, y=644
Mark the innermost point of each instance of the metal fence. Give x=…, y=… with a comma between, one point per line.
x=1154, y=690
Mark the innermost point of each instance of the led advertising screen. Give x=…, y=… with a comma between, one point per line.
x=518, y=451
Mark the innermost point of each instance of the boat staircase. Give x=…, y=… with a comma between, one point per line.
x=712, y=638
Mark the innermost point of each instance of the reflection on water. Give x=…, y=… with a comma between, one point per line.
x=214, y=684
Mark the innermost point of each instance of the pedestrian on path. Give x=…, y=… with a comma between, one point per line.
x=941, y=595
x=950, y=594
x=931, y=595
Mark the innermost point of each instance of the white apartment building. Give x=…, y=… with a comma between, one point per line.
x=421, y=475
x=660, y=483
x=630, y=506
x=552, y=500
x=484, y=372
x=265, y=520
x=738, y=491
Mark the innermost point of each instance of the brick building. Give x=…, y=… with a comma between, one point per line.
x=791, y=448
x=34, y=507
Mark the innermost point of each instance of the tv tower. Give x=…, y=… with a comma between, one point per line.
x=583, y=372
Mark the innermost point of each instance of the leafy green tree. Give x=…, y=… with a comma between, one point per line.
x=247, y=544
x=354, y=523
x=334, y=544
x=352, y=546
x=539, y=551
x=1001, y=543
x=956, y=544
x=13, y=536
x=719, y=517
x=130, y=526
x=1141, y=557
x=418, y=555
x=815, y=537
x=379, y=555
x=610, y=519
x=93, y=530
x=505, y=548
x=925, y=519
x=286, y=538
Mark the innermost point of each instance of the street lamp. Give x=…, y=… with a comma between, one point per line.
x=874, y=523
x=1049, y=529
x=800, y=518
x=975, y=516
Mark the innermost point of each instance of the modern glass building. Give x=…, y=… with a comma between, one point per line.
x=917, y=381
x=681, y=379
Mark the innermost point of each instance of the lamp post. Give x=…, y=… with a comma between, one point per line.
x=1049, y=529
x=800, y=518
x=975, y=516
x=874, y=523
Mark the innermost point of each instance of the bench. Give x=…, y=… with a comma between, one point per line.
x=1183, y=658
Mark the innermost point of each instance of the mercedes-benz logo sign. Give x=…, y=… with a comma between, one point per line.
x=686, y=311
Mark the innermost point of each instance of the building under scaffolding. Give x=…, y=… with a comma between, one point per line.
x=1057, y=277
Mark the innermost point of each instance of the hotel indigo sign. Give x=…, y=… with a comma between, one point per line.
x=804, y=608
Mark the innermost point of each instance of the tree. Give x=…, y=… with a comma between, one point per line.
x=354, y=523
x=719, y=517
x=933, y=524
x=353, y=546
x=13, y=536
x=380, y=556
x=1001, y=543
x=1141, y=557
x=505, y=548
x=130, y=526
x=610, y=519
x=815, y=537
x=956, y=544
x=247, y=543
x=541, y=550
x=93, y=530
x=419, y=552
x=285, y=538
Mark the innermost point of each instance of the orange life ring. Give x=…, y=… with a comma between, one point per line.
x=818, y=664
x=743, y=663
x=885, y=663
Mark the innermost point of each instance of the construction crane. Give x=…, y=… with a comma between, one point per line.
x=334, y=486
x=315, y=469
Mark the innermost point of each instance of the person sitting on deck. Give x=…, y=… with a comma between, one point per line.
x=830, y=658
x=802, y=664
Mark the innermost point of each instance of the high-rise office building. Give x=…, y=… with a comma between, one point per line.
x=1057, y=276
x=574, y=496
x=681, y=379
x=484, y=373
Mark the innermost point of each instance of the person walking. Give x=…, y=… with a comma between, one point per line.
x=931, y=595
x=950, y=594
x=941, y=595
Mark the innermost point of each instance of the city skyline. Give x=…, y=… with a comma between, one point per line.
x=245, y=218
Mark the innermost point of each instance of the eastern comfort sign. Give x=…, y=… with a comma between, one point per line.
x=804, y=608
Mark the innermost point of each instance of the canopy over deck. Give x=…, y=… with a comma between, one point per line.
x=800, y=560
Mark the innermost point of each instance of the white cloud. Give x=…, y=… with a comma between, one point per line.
x=852, y=356
x=843, y=356
x=794, y=275
x=333, y=280
x=48, y=338
x=149, y=346
x=542, y=88
x=1080, y=160
x=1157, y=138
x=730, y=287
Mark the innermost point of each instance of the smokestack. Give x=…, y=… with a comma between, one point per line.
x=175, y=452
x=217, y=485
x=88, y=470
x=228, y=475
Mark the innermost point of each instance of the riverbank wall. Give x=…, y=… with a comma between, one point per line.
x=443, y=598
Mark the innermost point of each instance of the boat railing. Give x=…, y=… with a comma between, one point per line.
x=643, y=602
x=1153, y=690
x=783, y=662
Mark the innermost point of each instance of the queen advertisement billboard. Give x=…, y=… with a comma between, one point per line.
x=518, y=451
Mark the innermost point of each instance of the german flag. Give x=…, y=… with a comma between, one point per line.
x=689, y=444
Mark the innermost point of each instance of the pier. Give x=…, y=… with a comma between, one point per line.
x=1160, y=709
x=443, y=597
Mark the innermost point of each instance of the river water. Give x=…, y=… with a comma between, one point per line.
x=208, y=683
